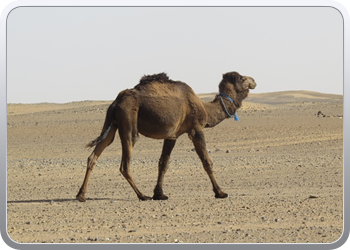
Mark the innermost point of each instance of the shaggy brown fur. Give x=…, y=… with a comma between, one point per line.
x=161, y=108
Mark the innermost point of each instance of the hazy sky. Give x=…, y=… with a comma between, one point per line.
x=64, y=54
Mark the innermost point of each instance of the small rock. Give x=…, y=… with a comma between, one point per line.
x=320, y=114
x=313, y=197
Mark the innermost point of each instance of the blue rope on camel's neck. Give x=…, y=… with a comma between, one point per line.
x=230, y=99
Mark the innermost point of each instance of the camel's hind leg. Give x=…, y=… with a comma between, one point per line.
x=162, y=167
x=197, y=137
x=127, y=145
x=93, y=159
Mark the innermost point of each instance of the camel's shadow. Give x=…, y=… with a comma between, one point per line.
x=62, y=200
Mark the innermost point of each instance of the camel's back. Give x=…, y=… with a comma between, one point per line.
x=159, y=85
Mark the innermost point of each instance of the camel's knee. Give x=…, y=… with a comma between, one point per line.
x=121, y=171
x=134, y=137
x=125, y=172
x=163, y=163
x=208, y=165
x=92, y=159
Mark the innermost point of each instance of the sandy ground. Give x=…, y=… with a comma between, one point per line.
x=281, y=164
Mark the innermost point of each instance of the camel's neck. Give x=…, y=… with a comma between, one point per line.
x=216, y=112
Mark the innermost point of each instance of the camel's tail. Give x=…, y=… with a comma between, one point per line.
x=106, y=126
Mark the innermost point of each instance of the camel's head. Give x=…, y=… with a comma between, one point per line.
x=240, y=83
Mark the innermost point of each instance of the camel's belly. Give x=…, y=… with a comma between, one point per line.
x=158, y=129
x=161, y=120
x=159, y=135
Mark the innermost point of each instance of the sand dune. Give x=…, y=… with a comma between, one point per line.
x=293, y=96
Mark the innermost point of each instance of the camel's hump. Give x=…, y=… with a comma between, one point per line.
x=161, y=82
x=161, y=77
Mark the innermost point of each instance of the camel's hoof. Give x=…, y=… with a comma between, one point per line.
x=160, y=197
x=145, y=198
x=221, y=196
x=81, y=197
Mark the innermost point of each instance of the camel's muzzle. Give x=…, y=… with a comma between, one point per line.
x=252, y=85
x=249, y=83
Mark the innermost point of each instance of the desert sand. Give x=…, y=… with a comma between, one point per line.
x=281, y=164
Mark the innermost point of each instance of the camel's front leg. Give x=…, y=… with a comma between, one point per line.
x=197, y=137
x=162, y=167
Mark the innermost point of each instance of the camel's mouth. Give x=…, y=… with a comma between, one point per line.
x=252, y=85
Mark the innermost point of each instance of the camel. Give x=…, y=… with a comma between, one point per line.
x=161, y=108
